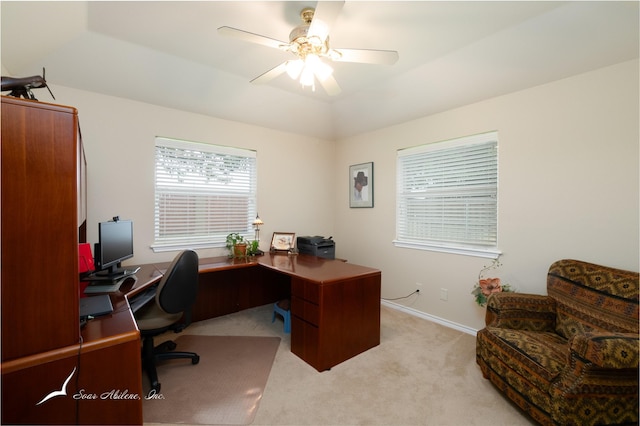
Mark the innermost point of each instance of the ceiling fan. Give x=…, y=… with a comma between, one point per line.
x=309, y=43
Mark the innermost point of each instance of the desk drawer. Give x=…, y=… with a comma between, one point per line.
x=305, y=340
x=305, y=310
x=305, y=290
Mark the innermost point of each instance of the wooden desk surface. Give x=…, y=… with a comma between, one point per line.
x=314, y=269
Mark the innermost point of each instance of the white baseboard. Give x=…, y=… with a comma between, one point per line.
x=431, y=318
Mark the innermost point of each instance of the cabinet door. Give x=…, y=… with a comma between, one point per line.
x=39, y=227
x=112, y=368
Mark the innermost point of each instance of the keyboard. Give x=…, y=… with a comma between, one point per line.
x=141, y=299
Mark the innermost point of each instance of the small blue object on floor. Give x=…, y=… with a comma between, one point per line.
x=283, y=308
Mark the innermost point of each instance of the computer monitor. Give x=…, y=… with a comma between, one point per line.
x=115, y=244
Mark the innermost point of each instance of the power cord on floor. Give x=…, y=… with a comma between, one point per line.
x=403, y=297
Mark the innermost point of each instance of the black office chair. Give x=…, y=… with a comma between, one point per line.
x=174, y=299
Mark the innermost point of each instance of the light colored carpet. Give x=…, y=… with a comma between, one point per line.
x=422, y=373
x=224, y=388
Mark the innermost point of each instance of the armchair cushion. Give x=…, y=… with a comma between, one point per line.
x=570, y=357
x=541, y=356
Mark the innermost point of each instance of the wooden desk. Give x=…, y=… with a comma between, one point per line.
x=335, y=316
x=335, y=306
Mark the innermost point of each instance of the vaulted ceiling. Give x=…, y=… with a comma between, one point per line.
x=451, y=53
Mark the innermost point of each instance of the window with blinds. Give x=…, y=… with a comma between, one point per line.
x=447, y=196
x=202, y=193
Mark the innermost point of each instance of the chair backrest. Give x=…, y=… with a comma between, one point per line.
x=179, y=286
x=592, y=297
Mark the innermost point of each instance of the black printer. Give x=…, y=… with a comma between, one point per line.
x=317, y=246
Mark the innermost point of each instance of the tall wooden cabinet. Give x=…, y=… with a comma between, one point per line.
x=39, y=227
x=43, y=218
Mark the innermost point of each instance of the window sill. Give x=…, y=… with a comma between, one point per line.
x=466, y=251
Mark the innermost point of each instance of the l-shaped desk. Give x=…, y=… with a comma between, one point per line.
x=335, y=305
x=335, y=315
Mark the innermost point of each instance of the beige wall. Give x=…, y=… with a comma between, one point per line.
x=568, y=183
x=294, y=183
x=568, y=188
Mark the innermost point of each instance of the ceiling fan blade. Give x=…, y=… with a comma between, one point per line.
x=251, y=37
x=330, y=85
x=324, y=16
x=271, y=74
x=365, y=56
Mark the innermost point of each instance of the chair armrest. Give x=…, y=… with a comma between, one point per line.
x=521, y=311
x=601, y=372
x=606, y=349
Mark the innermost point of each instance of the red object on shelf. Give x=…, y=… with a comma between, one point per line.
x=85, y=258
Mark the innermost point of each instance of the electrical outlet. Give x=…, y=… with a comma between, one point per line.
x=418, y=287
x=444, y=294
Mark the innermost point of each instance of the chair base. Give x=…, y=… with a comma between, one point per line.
x=151, y=354
x=279, y=308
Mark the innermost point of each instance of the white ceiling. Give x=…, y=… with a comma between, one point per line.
x=452, y=53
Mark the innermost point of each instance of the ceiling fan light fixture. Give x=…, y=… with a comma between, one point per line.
x=294, y=68
x=310, y=45
x=306, y=78
x=319, y=68
x=308, y=70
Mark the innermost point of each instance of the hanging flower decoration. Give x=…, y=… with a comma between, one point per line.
x=487, y=286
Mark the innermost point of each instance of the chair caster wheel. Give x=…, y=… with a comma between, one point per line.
x=195, y=359
x=171, y=345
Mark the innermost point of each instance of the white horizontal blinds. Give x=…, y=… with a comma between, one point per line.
x=203, y=192
x=447, y=193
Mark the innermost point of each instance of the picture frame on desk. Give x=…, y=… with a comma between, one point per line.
x=361, y=185
x=283, y=241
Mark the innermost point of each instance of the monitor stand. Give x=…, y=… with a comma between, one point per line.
x=111, y=274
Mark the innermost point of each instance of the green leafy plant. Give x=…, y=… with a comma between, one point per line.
x=253, y=249
x=234, y=239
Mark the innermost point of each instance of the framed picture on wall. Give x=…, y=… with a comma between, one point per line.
x=361, y=185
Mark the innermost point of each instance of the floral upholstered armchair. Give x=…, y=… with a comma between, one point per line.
x=569, y=358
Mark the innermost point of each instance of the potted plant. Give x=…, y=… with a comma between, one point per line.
x=253, y=249
x=236, y=245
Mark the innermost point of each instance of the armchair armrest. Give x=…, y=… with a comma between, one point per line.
x=521, y=311
x=606, y=349
x=602, y=371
